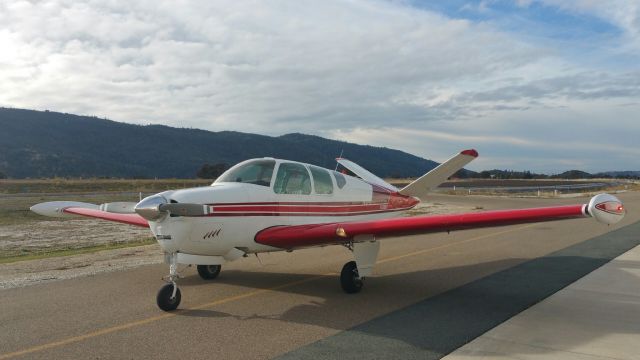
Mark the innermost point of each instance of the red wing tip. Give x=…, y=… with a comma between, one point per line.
x=470, y=152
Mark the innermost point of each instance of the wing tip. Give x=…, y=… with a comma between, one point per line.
x=470, y=152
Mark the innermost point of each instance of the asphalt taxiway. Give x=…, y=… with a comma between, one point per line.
x=429, y=296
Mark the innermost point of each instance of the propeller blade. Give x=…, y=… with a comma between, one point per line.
x=185, y=209
x=119, y=207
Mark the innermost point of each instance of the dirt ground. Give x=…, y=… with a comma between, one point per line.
x=41, y=236
x=30, y=272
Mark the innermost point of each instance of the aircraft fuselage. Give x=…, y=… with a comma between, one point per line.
x=239, y=210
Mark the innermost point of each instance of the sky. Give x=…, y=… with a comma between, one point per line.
x=539, y=85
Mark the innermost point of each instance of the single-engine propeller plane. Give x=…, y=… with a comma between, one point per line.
x=265, y=205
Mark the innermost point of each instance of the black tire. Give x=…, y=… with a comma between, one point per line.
x=164, y=300
x=209, y=272
x=349, y=279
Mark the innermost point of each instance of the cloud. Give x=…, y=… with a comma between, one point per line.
x=217, y=64
x=338, y=68
x=625, y=14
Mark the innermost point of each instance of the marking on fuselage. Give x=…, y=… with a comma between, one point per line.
x=211, y=234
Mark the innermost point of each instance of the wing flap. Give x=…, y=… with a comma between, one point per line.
x=297, y=236
x=131, y=219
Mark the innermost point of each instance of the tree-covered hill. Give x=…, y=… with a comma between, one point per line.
x=47, y=144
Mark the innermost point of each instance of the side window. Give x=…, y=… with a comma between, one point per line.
x=340, y=180
x=321, y=180
x=292, y=179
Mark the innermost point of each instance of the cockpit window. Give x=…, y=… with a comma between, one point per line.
x=292, y=179
x=340, y=180
x=256, y=172
x=321, y=180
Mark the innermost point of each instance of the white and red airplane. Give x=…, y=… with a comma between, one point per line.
x=264, y=205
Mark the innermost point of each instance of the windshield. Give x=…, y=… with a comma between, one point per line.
x=256, y=172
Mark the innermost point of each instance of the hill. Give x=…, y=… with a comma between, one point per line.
x=573, y=174
x=620, y=174
x=48, y=144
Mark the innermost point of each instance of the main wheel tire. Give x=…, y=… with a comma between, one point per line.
x=164, y=300
x=209, y=272
x=350, y=279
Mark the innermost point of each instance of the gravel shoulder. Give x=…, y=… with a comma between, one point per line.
x=31, y=272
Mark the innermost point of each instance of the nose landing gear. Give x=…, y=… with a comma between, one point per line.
x=169, y=296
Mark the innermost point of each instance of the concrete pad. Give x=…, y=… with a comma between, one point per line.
x=597, y=317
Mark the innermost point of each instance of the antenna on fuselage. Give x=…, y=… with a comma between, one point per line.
x=339, y=157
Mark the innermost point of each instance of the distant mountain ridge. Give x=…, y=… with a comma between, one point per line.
x=46, y=144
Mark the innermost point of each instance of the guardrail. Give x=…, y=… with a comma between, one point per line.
x=565, y=188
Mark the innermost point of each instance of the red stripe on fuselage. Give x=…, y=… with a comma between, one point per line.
x=314, y=214
x=391, y=203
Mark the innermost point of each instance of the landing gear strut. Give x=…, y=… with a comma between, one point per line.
x=365, y=250
x=350, y=280
x=209, y=272
x=168, y=297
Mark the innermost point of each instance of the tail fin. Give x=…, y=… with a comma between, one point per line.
x=440, y=174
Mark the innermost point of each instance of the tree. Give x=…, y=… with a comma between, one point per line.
x=208, y=171
x=2, y=175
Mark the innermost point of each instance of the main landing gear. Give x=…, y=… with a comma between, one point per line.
x=350, y=280
x=353, y=273
x=209, y=272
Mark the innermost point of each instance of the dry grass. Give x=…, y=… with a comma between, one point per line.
x=10, y=257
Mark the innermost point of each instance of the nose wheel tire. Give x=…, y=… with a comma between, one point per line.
x=350, y=280
x=165, y=298
x=209, y=272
